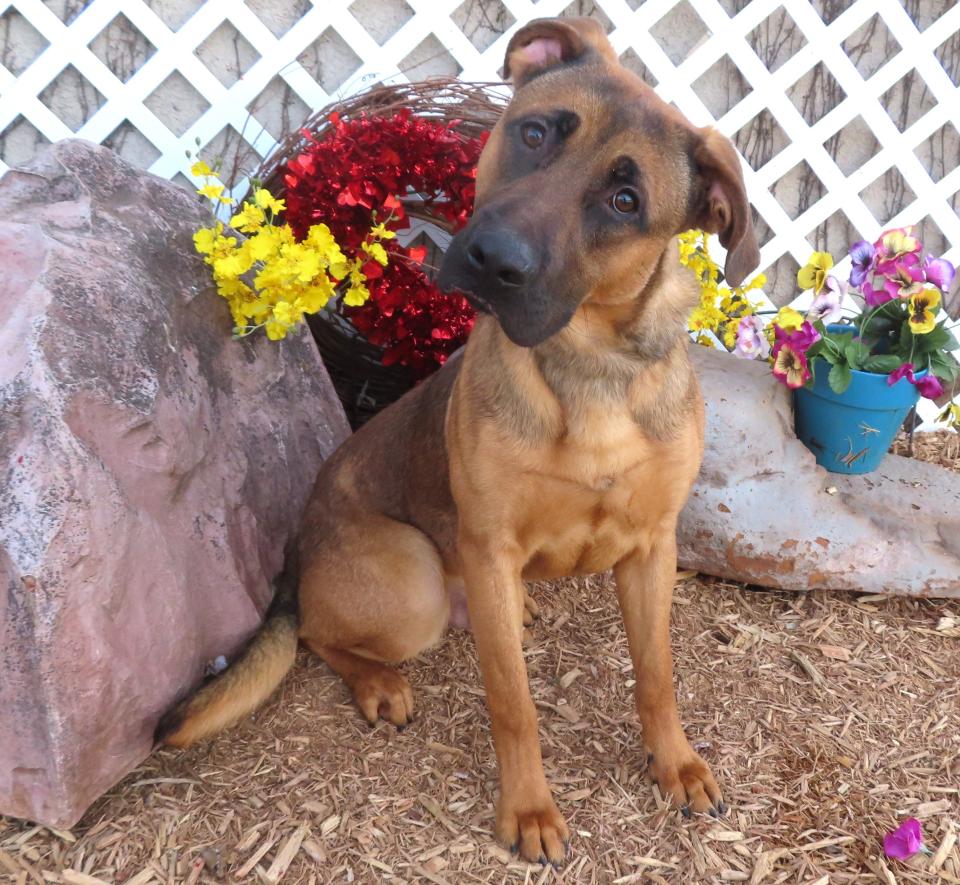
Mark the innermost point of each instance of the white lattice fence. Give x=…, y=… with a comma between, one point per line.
x=847, y=111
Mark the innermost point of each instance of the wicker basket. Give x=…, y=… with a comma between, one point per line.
x=363, y=383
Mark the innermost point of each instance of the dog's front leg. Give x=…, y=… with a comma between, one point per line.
x=527, y=818
x=645, y=582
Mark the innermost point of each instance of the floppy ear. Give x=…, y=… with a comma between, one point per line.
x=547, y=42
x=722, y=207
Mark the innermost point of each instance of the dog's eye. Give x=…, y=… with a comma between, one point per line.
x=533, y=134
x=625, y=201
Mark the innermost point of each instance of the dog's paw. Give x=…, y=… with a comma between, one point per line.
x=383, y=693
x=531, y=611
x=686, y=779
x=536, y=830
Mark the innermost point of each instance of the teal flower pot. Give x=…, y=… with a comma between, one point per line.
x=852, y=431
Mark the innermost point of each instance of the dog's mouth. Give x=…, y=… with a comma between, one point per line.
x=478, y=303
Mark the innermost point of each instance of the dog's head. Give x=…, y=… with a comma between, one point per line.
x=583, y=183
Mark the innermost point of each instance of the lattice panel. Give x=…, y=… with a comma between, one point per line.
x=847, y=112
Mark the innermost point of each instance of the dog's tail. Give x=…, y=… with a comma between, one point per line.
x=247, y=682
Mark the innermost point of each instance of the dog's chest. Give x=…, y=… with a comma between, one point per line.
x=600, y=499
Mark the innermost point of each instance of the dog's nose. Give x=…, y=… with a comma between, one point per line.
x=500, y=258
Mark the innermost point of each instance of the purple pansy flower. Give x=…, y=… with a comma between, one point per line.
x=861, y=254
x=905, y=841
x=751, y=342
x=826, y=306
x=940, y=272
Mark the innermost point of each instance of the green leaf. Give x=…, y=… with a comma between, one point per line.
x=882, y=363
x=906, y=338
x=827, y=354
x=938, y=339
x=840, y=378
x=944, y=366
x=855, y=353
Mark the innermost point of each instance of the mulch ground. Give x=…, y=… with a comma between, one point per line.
x=827, y=717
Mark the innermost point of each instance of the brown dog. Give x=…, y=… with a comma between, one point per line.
x=563, y=442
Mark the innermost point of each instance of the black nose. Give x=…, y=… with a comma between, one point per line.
x=500, y=258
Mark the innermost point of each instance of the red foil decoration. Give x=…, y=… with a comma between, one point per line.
x=373, y=167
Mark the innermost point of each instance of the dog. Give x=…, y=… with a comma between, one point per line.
x=563, y=440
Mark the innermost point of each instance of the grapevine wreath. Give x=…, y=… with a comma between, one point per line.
x=391, y=153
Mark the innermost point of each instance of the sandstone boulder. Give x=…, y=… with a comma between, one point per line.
x=764, y=512
x=152, y=471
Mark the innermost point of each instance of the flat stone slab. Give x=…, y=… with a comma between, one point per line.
x=764, y=512
x=152, y=471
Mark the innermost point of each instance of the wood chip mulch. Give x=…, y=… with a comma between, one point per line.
x=827, y=717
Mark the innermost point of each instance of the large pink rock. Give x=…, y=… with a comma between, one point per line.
x=152, y=471
x=763, y=512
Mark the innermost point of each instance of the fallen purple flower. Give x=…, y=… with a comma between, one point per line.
x=905, y=841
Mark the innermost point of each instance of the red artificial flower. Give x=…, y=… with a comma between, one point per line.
x=376, y=167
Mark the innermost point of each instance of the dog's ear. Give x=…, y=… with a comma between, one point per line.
x=546, y=42
x=721, y=206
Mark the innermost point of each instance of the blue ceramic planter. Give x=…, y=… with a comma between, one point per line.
x=852, y=431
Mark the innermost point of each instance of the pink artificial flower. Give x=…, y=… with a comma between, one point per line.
x=790, y=365
x=751, y=342
x=905, y=841
x=940, y=272
x=804, y=337
x=826, y=306
x=903, y=371
x=875, y=297
x=907, y=277
x=894, y=244
x=929, y=386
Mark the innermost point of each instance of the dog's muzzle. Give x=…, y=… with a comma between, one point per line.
x=499, y=272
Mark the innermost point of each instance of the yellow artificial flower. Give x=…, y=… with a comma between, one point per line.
x=289, y=278
x=302, y=261
x=356, y=295
x=950, y=415
x=923, y=311
x=287, y=313
x=315, y=297
x=201, y=168
x=234, y=288
x=814, y=273
x=265, y=200
x=249, y=219
x=788, y=319
x=266, y=243
x=705, y=319
x=234, y=264
x=730, y=333
x=276, y=331
x=720, y=308
x=376, y=252
x=213, y=192
x=379, y=232
x=204, y=240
